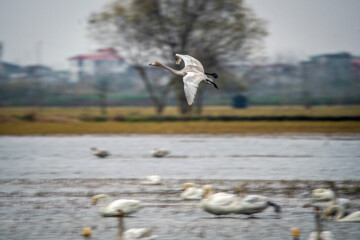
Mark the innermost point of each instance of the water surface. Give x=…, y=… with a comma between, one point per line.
x=46, y=183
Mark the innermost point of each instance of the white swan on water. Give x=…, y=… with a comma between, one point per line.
x=101, y=153
x=192, y=73
x=339, y=213
x=328, y=197
x=226, y=203
x=138, y=234
x=321, y=194
x=153, y=180
x=125, y=206
x=191, y=192
x=159, y=152
x=319, y=234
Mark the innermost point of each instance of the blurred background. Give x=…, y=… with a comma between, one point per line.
x=96, y=53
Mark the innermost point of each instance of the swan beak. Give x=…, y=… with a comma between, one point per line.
x=183, y=187
x=325, y=215
x=94, y=201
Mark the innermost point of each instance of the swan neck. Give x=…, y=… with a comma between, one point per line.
x=120, y=228
x=340, y=212
x=105, y=203
x=209, y=193
x=318, y=225
x=176, y=72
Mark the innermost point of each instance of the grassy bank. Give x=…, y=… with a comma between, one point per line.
x=198, y=127
x=211, y=111
x=214, y=120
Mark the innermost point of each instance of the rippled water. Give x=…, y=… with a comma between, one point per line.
x=46, y=183
x=215, y=157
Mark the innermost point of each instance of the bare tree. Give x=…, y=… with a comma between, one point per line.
x=215, y=32
x=102, y=84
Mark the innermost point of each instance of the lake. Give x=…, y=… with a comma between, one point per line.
x=47, y=183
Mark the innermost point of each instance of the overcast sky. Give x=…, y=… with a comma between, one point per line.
x=51, y=31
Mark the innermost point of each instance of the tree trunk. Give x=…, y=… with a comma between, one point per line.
x=103, y=103
x=159, y=104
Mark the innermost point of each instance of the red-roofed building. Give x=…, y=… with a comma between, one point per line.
x=103, y=61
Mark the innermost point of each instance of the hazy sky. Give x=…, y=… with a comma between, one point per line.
x=51, y=31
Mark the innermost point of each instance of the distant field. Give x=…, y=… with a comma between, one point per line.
x=55, y=120
x=77, y=112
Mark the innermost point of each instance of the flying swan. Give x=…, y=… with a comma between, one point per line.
x=125, y=206
x=192, y=73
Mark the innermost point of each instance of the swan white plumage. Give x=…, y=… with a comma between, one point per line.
x=153, y=180
x=191, y=192
x=159, y=152
x=321, y=194
x=192, y=73
x=133, y=233
x=101, y=153
x=339, y=213
x=329, y=198
x=125, y=206
x=226, y=203
x=138, y=234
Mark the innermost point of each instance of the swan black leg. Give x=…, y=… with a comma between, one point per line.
x=212, y=83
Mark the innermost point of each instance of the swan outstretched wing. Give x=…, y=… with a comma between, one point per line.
x=191, y=83
x=190, y=61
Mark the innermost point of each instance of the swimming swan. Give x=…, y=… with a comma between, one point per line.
x=226, y=203
x=328, y=196
x=339, y=212
x=191, y=192
x=153, y=180
x=100, y=153
x=133, y=233
x=126, y=206
x=192, y=73
x=138, y=234
x=321, y=194
x=319, y=234
x=159, y=152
